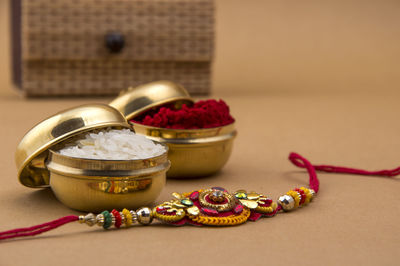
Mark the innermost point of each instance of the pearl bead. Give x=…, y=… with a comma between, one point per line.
x=287, y=202
x=144, y=215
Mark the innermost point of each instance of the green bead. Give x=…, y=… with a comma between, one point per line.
x=187, y=202
x=241, y=195
x=107, y=219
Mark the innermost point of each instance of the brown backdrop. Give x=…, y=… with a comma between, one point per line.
x=316, y=77
x=294, y=45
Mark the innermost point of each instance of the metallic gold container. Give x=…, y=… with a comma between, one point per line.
x=193, y=153
x=96, y=185
x=33, y=149
x=85, y=184
x=134, y=101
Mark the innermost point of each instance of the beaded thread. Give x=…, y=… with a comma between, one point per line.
x=212, y=207
x=209, y=209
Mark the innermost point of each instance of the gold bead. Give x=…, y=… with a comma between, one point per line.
x=112, y=219
x=100, y=219
x=89, y=219
x=312, y=191
x=122, y=218
x=134, y=216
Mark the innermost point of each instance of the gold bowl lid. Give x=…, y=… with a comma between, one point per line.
x=133, y=101
x=33, y=149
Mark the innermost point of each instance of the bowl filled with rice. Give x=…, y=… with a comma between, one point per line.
x=92, y=160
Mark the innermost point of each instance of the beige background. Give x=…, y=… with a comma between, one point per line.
x=316, y=77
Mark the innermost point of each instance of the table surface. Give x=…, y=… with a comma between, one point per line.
x=318, y=79
x=354, y=219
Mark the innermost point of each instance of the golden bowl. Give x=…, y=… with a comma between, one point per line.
x=97, y=185
x=193, y=152
x=32, y=151
x=87, y=184
x=133, y=101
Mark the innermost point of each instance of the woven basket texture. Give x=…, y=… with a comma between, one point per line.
x=64, y=51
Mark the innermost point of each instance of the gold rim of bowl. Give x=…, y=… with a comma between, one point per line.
x=186, y=136
x=134, y=101
x=32, y=151
x=85, y=168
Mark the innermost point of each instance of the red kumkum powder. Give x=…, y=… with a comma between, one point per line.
x=203, y=114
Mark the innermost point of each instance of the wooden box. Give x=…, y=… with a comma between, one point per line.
x=100, y=47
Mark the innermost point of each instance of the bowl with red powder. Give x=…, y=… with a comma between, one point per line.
x=200, y=115
x=199, y=135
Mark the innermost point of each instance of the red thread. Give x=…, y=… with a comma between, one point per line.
x=38, y=229
x=302, y=162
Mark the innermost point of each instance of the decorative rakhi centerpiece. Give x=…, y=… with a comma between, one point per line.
x=212, y=207
x=215, y=206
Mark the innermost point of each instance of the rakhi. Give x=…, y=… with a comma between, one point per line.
x=212, y=207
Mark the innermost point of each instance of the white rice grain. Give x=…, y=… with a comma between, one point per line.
x=114, y=144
